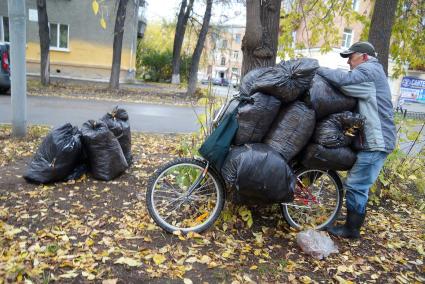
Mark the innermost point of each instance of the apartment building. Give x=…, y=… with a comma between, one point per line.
x=223, y=53
x=79, y=46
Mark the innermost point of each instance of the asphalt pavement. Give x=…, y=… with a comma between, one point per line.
x=54, y=111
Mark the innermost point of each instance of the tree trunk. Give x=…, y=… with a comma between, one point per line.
x=259, y=45
x=381, y=28
x=114, y=81
x=196, y=57
x=178, y=39
x=43, y=31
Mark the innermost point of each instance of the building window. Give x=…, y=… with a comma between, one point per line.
x=238, y=38
x=4, y=29
x=235, y=71
x=356, y=5
x=347, y=38
x=59, y=36
x=235, y=54
x=223, y=61
x=224, y=43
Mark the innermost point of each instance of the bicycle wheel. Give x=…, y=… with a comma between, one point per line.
x=182, y=197
x=317, y=199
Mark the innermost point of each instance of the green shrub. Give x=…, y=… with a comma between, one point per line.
x=156, y=65
x=403, y=175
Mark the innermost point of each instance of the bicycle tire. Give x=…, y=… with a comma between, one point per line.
x=190, y=163
x=339, y=200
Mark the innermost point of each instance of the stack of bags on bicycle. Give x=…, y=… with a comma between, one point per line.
x=101, y=147
x=295, y=117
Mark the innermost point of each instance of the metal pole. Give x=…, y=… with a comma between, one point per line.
x=18, y=71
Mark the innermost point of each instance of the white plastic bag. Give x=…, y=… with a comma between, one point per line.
x=317, y=244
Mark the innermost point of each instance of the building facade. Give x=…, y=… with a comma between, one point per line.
x=223, y=53
x=80, y=41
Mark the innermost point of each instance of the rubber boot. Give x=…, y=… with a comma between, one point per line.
x=351, y=228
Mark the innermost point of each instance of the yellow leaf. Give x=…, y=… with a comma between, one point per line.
x=95, y=7
x=191, y=259
x=420, y=249
x=205, y=259
x=158, y=259
x=201, y=217
x=110, y=281
x=342, y=280
x=187, y=281
x=253, y=267
x=305, y=279
x=89, y=275
x=89, y=242
x=69, y=274
x=129, y=261
x=103, y=23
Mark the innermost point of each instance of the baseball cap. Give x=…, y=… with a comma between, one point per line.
x=360, y=47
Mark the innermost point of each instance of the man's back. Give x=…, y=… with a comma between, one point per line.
x=369, y=84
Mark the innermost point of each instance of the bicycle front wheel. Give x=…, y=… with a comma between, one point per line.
x=317, y=199
x=181, y=196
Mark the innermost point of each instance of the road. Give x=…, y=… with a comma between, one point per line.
x=151, y=118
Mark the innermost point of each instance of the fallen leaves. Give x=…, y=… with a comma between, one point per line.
x=128, y=261
x=87, y=230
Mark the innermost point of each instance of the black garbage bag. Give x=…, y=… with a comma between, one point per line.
x=288, y=80
x=106, y=158
x=291, y=130
x=117, y=121
x=78, y=171
x=254, y=119
x=57, y=156
x=338, y=129
x=316, y=156
x=249, y=79
x=260, y=174
x=325, y=99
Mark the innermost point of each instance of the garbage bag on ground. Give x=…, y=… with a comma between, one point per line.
x=254, y=119
x=315, y=243
x=325, y=99
x=57, y=156
x=338, y=129
x=260, y=174
x=106, y=158
x=117, y=122
x=249, y=79
x=78, y=171
x=287, y=80
x=291, y=130
x=316, y=156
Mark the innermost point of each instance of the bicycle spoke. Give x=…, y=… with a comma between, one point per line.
x=316, y=203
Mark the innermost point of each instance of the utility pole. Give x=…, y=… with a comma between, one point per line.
x=18, y=70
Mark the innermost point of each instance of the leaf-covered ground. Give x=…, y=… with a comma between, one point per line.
x=156, y=93
x=92, y=231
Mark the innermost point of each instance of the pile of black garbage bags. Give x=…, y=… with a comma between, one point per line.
x=296, y=118
x=101, y=147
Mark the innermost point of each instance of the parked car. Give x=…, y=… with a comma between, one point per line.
x=205, y=81
x=4, y=68
x=221, y=82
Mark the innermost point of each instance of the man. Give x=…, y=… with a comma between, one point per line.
x=367, y=82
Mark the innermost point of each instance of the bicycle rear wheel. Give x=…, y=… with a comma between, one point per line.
x=181, y=196
x=317, y=199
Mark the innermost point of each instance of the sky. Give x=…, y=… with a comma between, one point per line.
x=168, y=10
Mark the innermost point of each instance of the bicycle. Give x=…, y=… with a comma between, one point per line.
x=188, y=194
